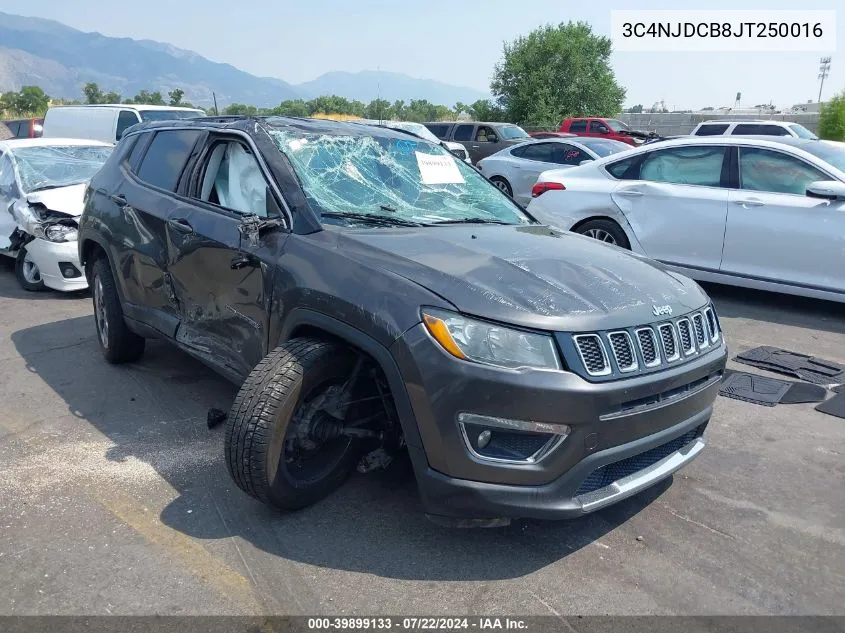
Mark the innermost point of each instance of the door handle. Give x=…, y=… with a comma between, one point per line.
x=475, y=146
x=631, y=193
x=119, y=199
x=242, y=261
x=750, y=202
x=181, y=225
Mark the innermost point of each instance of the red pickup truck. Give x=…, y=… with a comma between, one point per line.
x=605, y=128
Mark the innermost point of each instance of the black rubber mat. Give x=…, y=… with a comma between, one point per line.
x=802, y=392
x=834, y=406
x=754, y=388
x=814, y=370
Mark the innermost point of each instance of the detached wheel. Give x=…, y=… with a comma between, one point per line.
x=117, y=342
x=502, y=185
x=606, y=231
x=273, y=449
x=27, y=273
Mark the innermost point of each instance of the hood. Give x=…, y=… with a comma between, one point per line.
x=61, y=199
x=532, y=276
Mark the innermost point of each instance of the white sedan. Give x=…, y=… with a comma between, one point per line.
x=515, y=169
x=757, y=212
x=42, y=184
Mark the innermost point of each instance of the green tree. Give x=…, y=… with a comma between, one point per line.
x=240, y=108
x=145, y=97
x=636, y=109
x=112, y=97
x=32, y=100
x=486, y=110
x=556, y=72
x=175, y=96
x=832, y=119
x=398, y=111
x=291, y=107
x=92, y=93
x=378, y=109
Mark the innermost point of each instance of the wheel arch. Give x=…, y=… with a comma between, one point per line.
x=619, y=220
x=302, y=322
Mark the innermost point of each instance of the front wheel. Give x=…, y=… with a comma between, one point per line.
x=27, y=272
x=606, y=231
x=117, y=342
x=272, y=448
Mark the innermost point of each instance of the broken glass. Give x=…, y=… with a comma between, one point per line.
x=411, y=180
x=43, y=167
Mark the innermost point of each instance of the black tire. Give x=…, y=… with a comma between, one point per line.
x=257, y=435
x=27, y=273
x=502, y=185
x=118, y=343
x=606, y=231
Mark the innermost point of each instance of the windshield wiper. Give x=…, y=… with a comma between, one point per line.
x=472, y=221
x=387, y=220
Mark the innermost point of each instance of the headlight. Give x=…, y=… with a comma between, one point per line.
x=469, y=339
x=60, y=233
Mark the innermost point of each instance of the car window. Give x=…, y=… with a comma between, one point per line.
x=620, y=169
x=565, y=154
x=512, y=132
x=542, y=152
x=684, y=166
x=802, y=132
x=166, y=157
x=759, y=129
x=617, y=126
x=440, y=131
x=464, y=132
x=775, y=172
x=596, y=127
x=712, y=129
x=14, y=128
x=138, y=150
x=168, y=115
x=579, y=125
x=485, y=134
x=5, y=132
x=603, y=146
x=233, y=179
x=125, y=120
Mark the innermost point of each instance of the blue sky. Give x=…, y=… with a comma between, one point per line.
x=456, y=41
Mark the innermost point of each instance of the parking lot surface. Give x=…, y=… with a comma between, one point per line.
x=114, y=499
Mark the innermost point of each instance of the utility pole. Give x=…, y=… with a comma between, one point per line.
x=824, y=71
x=216, y=111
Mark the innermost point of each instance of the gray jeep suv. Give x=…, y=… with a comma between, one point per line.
x=373, y=295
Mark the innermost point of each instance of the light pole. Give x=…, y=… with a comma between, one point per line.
x=824, y=71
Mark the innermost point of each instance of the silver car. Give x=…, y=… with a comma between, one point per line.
x=757, y=212
x=515, y=169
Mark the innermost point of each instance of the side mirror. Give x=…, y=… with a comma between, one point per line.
x=604, y=130
x=826, y=190
x=585, y=161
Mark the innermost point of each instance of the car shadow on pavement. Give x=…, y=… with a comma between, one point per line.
x=154, y=411
x=774, y=307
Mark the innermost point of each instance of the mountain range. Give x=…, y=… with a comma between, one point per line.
x=61, y=59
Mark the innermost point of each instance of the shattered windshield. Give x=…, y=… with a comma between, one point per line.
x=47, y=167
x=394, y=180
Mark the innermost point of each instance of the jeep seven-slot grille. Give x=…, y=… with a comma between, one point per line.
x=685, y=331
x=669, y=340
x=623, y=351
x=591, y=349
x=648, y=347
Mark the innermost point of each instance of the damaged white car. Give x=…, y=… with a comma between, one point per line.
x=42, y=184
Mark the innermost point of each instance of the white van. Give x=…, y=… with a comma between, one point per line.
x=752, y=127
x=107, y=123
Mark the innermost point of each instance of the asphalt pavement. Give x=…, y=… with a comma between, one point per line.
x=114, y=499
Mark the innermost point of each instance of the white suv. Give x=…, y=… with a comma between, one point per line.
x=749, y=128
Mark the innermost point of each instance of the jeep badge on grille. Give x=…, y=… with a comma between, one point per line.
x=661, y=310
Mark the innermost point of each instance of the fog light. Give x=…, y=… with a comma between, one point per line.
x=510, y=441
x=69, y=271
x=484, y=439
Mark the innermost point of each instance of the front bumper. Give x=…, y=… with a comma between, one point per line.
x=51, y=257
x=643, y=443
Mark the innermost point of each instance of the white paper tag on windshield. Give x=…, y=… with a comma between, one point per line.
x=438, y=170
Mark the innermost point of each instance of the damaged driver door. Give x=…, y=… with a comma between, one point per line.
x=223, y=247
